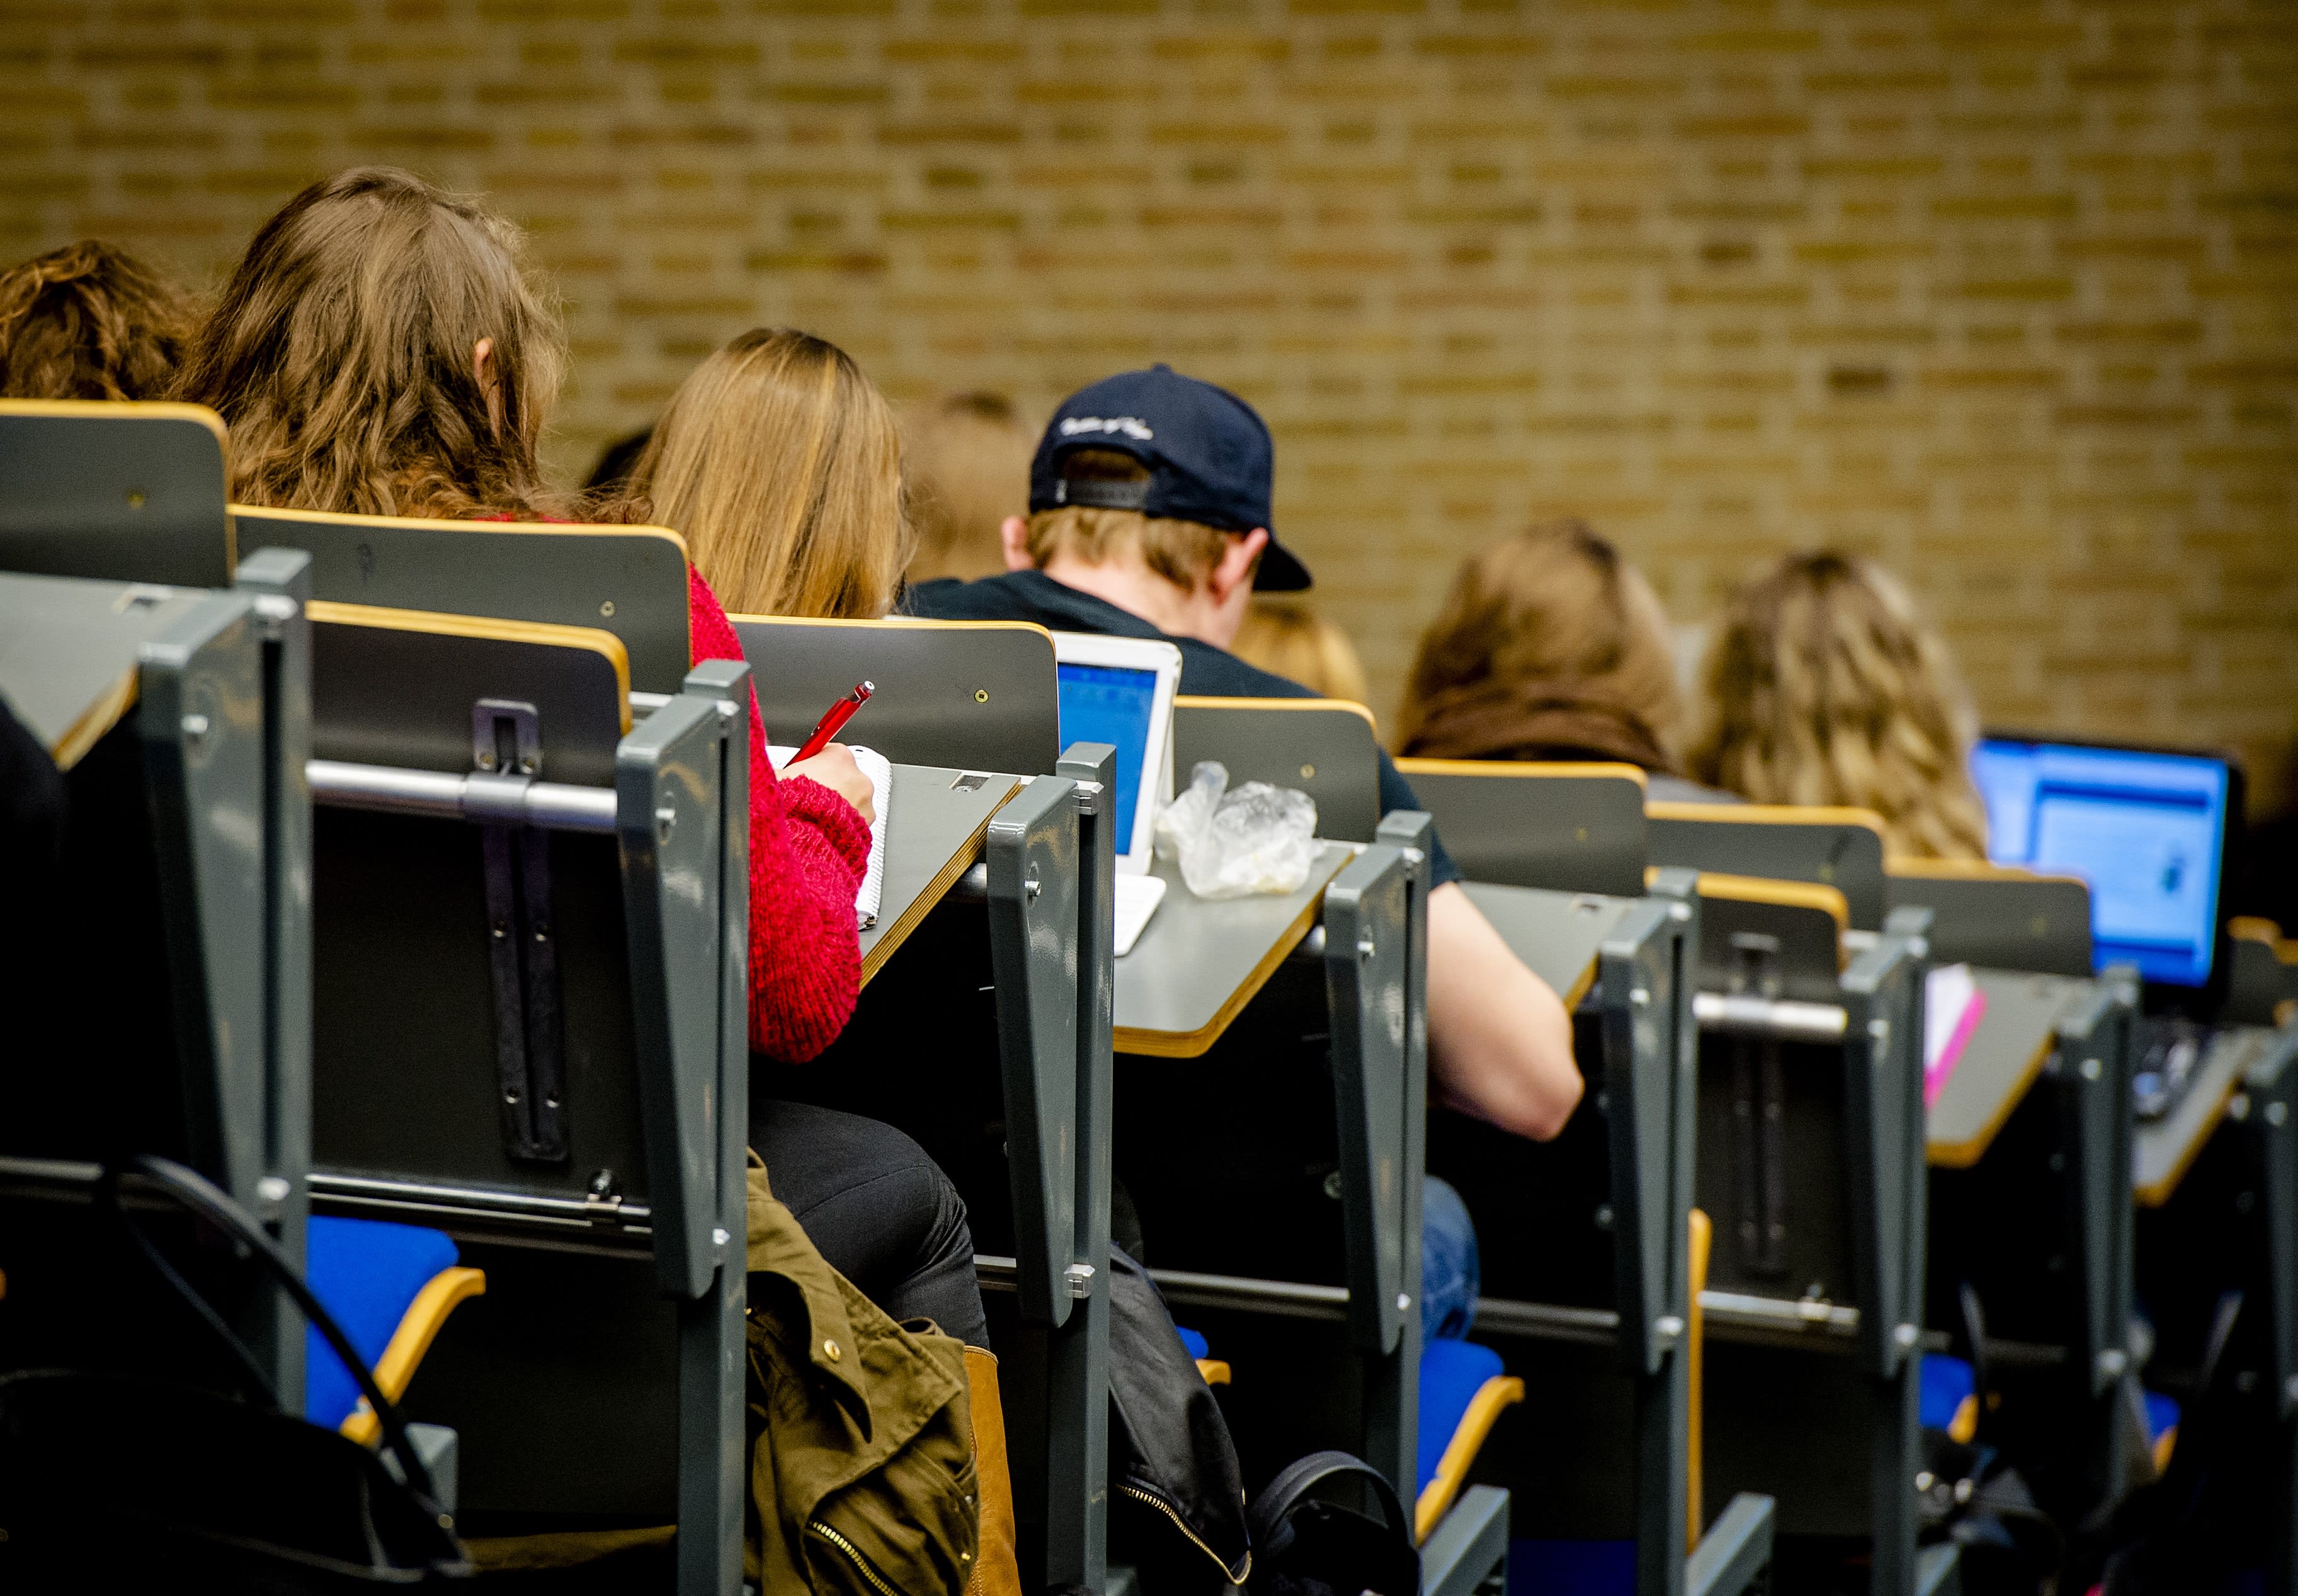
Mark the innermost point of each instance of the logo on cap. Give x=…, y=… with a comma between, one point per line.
x=1132, y=427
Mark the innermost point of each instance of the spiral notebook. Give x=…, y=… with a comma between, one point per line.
x=880, y=772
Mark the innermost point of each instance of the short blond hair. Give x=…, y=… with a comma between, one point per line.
x=1823, y=686
x=1183, y=552
x=966, y=462
x=1286, y=638
x=780, y=463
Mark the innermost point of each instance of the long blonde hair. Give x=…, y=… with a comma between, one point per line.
x=341, y=356
x=1286, y=638
x=1549, y=645
x=966, y=458
x=780, y=463
x=1825, y=687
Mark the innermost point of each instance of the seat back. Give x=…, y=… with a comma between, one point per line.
x=1569, y=827
x=125, y=491
x=516, y=1073
x=1323, y=747
x=1999, y=917
x=965, y=695
x=1841, y=848
x=629, y=580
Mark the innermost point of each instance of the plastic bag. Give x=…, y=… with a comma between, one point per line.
x=1258, y=838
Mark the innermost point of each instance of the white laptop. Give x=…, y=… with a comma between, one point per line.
x=1120, y=691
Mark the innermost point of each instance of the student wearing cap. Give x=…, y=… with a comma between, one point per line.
x=1149, y=517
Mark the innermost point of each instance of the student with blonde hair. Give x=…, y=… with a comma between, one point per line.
x=1549, y=647
x=780, y=463
x=967, y=459
x=1286, y=638
x=1824, y=686
x=90, y=321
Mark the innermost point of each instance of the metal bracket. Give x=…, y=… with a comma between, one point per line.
x=1759, y=1114
x=522, y=947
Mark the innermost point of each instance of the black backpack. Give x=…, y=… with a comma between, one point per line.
x=1305, y=1545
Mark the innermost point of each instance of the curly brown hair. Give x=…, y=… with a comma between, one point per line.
x=341, y=354
x=1824, y=686
x=90, y=321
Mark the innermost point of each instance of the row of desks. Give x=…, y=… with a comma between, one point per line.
x=1201, y=961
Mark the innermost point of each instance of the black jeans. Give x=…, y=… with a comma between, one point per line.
x=877, y=1208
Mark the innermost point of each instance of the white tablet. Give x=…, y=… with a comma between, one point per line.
x=1120, y=691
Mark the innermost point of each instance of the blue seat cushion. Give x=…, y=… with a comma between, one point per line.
x=1945, y=1383
x=2161, y=1415
x=1198, y=1345
x=1570, y=1567
x=1451, y=1373
x=368, y=1272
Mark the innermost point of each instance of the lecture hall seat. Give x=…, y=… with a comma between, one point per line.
x=391, y=1287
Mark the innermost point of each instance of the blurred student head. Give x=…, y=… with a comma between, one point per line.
x=1550, y=646
x=381, y=351
x=780, y=462
x=1286, y=638
x=90, y=321
x=1823, y=686
x=966, y=460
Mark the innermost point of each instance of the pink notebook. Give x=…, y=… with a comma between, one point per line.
x=1952, y=1006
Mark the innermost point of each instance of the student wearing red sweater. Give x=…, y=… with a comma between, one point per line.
x=378, y=350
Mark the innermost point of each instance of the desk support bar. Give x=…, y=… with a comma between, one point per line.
x=513, y=800
x=1376, y=964
x=1649, y=1043
x=682, y=793
x=1883, y=1132
x=1739, y=1013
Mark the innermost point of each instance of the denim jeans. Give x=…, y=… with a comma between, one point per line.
x=1449, y=1273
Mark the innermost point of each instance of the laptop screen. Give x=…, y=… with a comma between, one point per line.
x=1107, y=703
x=2146, y=829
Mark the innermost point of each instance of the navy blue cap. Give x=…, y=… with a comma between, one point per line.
x=1208, y=453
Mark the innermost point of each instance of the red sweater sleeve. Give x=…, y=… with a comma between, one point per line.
x=808, y=852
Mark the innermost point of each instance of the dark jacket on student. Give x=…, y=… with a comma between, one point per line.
x=1205, y=670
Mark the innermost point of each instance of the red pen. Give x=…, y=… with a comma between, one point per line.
x=836, y=715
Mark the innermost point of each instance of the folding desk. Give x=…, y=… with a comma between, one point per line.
x=937, y=821
x=119, y=492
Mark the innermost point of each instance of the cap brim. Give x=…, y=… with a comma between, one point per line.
x=1280, y=571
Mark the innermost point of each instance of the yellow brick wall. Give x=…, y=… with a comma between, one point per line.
x=2000, y=291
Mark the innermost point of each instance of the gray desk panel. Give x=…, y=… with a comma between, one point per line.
x=1999, y=1063
x=1557, y=933
x=69, y=652
x=934, y=830
x=2160, y=1150
x=1201, y=960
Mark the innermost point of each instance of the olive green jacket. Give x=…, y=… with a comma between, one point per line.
x=862, y=1470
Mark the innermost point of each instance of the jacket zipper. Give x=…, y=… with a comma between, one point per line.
x=815, y=1526
x=1142, y=1494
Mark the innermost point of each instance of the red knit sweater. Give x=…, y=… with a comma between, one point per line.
x=808, y=851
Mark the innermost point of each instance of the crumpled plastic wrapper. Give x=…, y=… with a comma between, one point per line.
x=1258, y=838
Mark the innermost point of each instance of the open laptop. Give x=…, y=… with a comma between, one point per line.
x=2148, y=828
x=1120, y=691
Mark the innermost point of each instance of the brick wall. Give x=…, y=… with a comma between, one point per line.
x=1999, y=292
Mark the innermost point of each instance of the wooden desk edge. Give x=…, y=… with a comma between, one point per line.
x=2161, y=1191
x=1961, y=1155
x=934, y=891
x=1194, y=1044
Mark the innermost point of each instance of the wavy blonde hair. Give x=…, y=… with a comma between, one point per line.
x=1825, y=687
x=341, y=356
x=780, y=463
x=90, y=321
